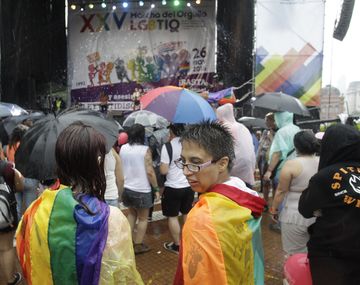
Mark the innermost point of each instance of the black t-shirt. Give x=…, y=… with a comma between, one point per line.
x=333, y=195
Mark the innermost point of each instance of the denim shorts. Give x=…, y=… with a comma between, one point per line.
x=137, y=200
x=112, y=202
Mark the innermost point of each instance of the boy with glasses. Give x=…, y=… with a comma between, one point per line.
x=221, y=238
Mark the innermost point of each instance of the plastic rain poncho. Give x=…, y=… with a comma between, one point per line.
x=58, y=242
x=284, y=137
x=244, y=164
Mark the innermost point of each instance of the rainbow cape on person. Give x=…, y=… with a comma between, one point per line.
x=221, y=239
x=59, y=242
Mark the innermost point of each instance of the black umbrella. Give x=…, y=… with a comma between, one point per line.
x=278, y=101
x=9, y=124
x=35, y=158
x=253, y=122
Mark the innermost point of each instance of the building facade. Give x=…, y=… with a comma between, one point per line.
x=353, y=98
x=331, y=103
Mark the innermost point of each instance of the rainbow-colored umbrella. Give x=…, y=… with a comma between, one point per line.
x=177, y=105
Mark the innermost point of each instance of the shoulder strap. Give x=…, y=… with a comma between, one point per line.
x=169, y=151
x=290, y=152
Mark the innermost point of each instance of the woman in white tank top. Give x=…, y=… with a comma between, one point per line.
x=140, y=181
x=114, y=178
x=294, y=178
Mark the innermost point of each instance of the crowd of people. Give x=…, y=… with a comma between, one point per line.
x=71, y=229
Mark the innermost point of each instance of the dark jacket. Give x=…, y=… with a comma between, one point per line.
x=333, y=195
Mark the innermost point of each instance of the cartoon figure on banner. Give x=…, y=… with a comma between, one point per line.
x=172, y=60
x=102, y=70
x=121, y=70
x=143, y=67
x=92, y=68
x=167, y=64
x=160, y=62
x=101, y=73
x=184, y=63
x=174, y=64
x=151, y=70
x=92, y=74
x=170, y=64
x=108, y=70
x=131, y=65
x=140, y=64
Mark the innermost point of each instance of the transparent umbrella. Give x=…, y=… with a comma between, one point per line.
x=9, y=109
x=146, y=119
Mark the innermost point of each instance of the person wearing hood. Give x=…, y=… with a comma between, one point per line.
x=282, y=147
x=333, y=196
x=221, y=238
x=245, y=159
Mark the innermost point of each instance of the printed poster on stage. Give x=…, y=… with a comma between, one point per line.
x=289, y=48
x=118, y=51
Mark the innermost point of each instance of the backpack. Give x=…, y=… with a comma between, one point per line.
x=169, y=150
x=8, y=214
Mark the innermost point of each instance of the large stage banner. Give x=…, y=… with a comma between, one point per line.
x=116, y=51
x=289, y=48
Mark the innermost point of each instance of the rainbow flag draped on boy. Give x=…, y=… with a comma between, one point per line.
x=59, y=242
x=221, y=239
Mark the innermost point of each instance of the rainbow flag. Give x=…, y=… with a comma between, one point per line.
x=59, y=242
x=222, y=97
x=221, y=239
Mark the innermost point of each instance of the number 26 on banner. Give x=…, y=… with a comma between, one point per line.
x=199, y=53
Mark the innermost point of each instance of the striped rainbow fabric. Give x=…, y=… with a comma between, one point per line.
x=58, y=242
x=221, y=242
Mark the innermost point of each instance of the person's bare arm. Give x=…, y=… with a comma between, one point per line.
x=150, y=172
x=164, y=168
x=118, y=173
x=286, y=175
x=275, y=158
x=18, y=181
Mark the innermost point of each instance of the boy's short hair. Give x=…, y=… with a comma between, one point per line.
x=177, y=129
x=212, y=136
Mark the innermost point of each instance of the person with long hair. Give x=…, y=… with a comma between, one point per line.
x=294, y=178
x=70, y=235
x=140, y=181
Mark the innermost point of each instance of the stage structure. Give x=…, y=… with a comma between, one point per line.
x=289, y=48
x=115, y=49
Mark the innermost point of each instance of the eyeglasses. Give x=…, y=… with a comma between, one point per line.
x=193, y=167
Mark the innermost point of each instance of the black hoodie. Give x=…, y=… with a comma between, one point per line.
x=333, y=195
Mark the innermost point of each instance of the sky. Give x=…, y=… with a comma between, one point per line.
x=341, y=63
